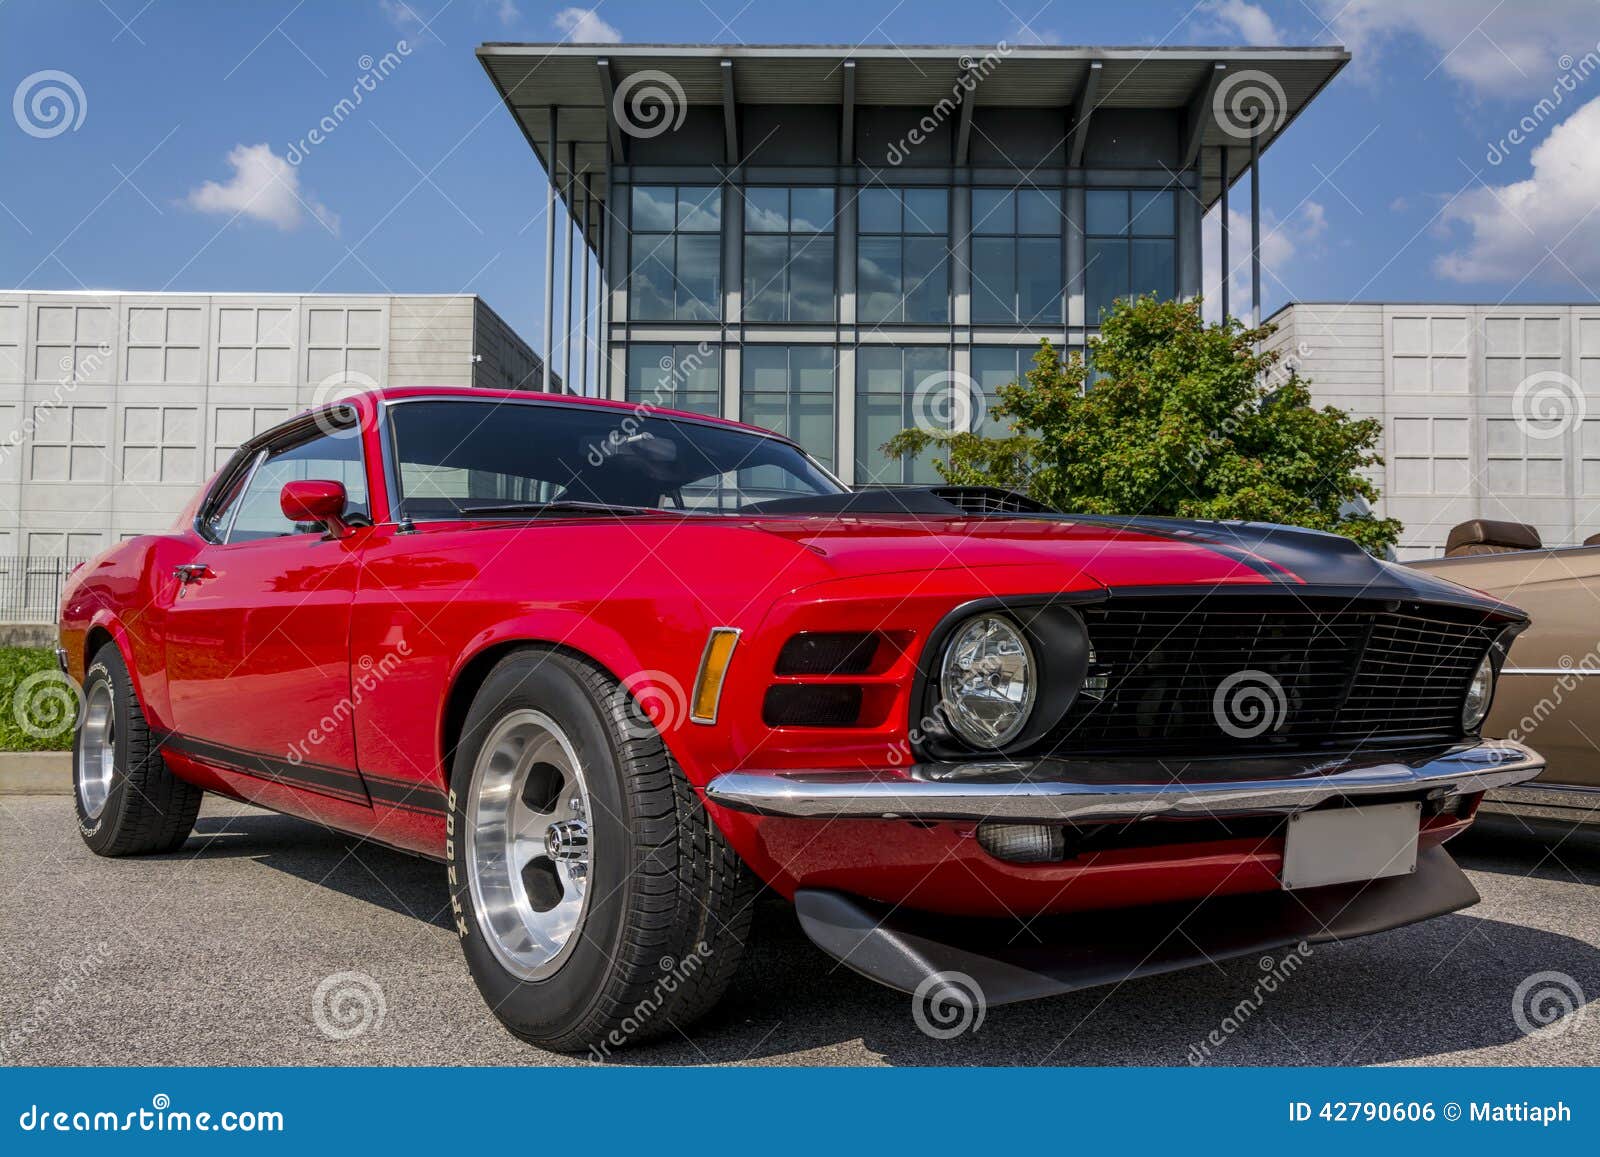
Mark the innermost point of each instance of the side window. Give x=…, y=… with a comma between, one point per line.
x=217, y=522
x=336, y=458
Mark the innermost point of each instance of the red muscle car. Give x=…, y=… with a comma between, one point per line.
x=617, y=666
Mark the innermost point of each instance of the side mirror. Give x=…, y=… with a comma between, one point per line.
x=317, y=500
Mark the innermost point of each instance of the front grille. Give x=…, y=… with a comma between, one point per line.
x=1225, y=674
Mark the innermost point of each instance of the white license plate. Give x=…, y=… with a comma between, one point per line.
x=1342, y=845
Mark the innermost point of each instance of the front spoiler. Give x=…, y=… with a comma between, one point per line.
x=1096, y=790
x=1010, y=961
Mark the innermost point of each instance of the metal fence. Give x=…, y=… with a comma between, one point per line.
x=30, y=586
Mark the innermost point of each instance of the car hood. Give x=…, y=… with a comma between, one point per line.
x=1112, y=552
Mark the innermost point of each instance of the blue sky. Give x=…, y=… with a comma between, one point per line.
x=1402, y=182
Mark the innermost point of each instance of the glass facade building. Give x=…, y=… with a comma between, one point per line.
x=827, y=241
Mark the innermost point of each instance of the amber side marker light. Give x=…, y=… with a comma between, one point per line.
x=713, y=669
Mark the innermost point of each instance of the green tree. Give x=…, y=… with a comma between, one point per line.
x=1185, y=419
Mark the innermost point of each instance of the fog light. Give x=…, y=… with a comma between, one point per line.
x=1023, y=843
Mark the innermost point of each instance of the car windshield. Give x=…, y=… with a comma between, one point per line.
x=477, y=457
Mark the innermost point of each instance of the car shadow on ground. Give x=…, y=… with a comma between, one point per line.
x=1412, y=995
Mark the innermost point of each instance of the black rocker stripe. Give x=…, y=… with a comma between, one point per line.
x=338, y=782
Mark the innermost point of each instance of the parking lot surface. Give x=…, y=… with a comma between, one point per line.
x=215, y=955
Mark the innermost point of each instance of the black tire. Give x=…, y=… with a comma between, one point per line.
x=148, y=809
x=669, y=902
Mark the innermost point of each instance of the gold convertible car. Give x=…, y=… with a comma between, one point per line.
x=1549, y=690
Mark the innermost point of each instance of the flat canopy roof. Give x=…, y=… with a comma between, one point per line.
x=531, y=78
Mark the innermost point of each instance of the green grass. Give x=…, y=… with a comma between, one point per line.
x=34, y=720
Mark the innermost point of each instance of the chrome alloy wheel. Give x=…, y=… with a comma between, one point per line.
x=528, y=836
x=97, y=749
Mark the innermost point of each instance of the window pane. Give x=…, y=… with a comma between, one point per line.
x=700, y=372
x=927, y=210
x=878, y=211
x=1039, y=280
x=767, y=410
x=927, y=278
x=993, y=211
x=878, y=370
x=650, y=374
x=1155, y=268
x=700, y=208
x=811, y=211
x=699, y=276
x=764, y=259
x=811, y=278
x=878, y=418
x=766, y=210
x=1039, y=211
x=994, y=279
x=652, y=209
x=811, y=372
x=1106, y=211
x=992, y=368
x=878, y=279
x=1154, y=212
x=766, y=367
x=650, y=282
x=1105, y=276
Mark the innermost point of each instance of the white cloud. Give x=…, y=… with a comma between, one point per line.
x=1238, y=21
x=1494, y=48
x=507, y=11
x=1281, y=242
x=583, y=26
x=263, y=186
x=1546, y=226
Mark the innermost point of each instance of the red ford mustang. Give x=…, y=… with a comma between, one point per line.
x=614, y=666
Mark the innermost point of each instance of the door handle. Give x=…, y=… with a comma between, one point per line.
x=190, y=572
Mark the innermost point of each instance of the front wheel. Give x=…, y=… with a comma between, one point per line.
x=128, y=803
x=597, y=904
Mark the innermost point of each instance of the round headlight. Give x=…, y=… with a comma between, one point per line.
x=988, y=681
x=1479, y=694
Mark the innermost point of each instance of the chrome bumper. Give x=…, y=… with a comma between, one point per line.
x=1089, y=791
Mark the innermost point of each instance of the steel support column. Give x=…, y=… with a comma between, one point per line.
x=1255, y=226
x=1227, y=271
x=583, y=293
x=566, y=272
x=545, y=354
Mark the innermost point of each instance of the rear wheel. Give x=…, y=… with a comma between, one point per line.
x=597, y=904
x=127, y=801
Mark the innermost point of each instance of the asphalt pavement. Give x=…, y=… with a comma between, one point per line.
x=216, y=954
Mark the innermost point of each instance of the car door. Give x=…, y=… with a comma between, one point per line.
x=258, y=626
